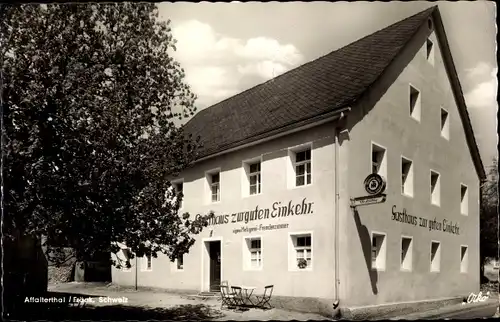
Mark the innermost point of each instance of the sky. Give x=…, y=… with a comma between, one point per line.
x=226, y=48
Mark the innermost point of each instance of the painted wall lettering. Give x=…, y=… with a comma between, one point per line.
x=277, y=209
x=245, y=229
x=433, y=224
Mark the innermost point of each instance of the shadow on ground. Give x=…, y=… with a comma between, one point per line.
x=67, y=309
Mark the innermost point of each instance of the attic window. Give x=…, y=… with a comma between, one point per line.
x=415, y=103
x=429, y=53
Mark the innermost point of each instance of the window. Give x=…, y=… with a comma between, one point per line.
x=406, y=176
x=148, y=264
x=429, y=51
x=179, y=190
x=464, y=259
x=255, y=178
x=378, y=251
x=255, y=253
x=303, y=168
x=299, y=166
x=301, y=258
x=213, y=180
x=180, y=262
x=378, y=160
x=415, y=103
x=251, y=177
x=406, y=253
x=435, y=256
x=126, y=260
x=445, y=124
x=435, y=188
x=252, y=253
x=464, y=200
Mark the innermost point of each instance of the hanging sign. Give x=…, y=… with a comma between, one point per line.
x=374, y=184
x=368, y=200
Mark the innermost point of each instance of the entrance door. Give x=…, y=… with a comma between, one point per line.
x=215, y=266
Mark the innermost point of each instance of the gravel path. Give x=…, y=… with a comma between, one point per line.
x=173, y=302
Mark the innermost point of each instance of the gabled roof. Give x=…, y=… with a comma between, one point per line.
x=320, y=87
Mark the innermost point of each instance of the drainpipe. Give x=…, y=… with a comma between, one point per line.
x=337, y=213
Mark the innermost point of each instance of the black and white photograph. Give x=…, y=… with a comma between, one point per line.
x=246, y=161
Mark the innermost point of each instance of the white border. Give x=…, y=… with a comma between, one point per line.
x=384, y=251
x=291, y=172
x=208, y=191
x=432, y=54
x=401, y=176
x=419, y=100
x=386, y=159
x=447, y=120
x=467, y=259
x=401, y=268
x=430, y=187
x=466, y=213
x=246, y=252
x=439, y=255
x=245, y=182
x=174, y=266
x=291, y=251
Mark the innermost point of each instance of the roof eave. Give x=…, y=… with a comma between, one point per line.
x=277, y=133
x=457, y=93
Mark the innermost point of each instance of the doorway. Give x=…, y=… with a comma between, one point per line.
x=214, y=252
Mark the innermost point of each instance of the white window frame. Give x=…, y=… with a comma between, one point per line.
x=435, y=196
x=175, y=184
x=145, y=263
x=416, y=113
x=433, y=268
x=429, y=56
x=292, y=250
x=408, y=185
x=247, y=253
x=444, y=128
x=382, y=171
x=464, y=202
x=464, y=262
x=209, y=184
x=245, y=188
x=407, y=265
x=382, y=253
x=292, y=165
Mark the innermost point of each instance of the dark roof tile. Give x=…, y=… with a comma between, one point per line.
x=330, y=82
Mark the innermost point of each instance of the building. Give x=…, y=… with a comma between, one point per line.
x=282, y=161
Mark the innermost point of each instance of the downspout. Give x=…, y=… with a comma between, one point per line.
x=338, y=127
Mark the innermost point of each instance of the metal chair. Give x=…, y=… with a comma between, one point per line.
x=238, y=296
x=226, y=284
x=264, y=299
x=227, y=298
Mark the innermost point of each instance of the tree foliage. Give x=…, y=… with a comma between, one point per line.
x=89, y=96
x=489, y=214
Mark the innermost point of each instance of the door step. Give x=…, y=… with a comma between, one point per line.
x=205, y=296
x=209, y=294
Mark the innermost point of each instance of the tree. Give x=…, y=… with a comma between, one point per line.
x=489, y=229
x=89, y=95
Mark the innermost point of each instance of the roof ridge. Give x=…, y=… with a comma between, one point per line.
x=427, y=11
